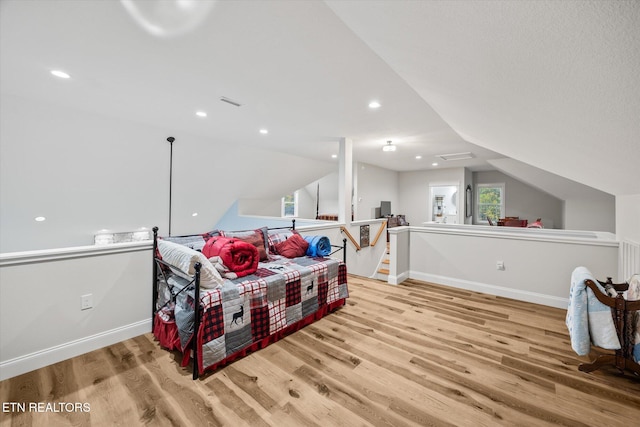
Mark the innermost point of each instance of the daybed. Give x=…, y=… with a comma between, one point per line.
x=240, y=309
x=606, y=315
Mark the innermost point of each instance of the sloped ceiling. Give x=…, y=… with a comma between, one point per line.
x=551, y=84
x=554, y=84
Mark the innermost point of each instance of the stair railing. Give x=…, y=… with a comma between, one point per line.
x=383, y=225
x=353, y=241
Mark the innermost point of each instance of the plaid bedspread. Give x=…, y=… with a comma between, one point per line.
x=247, y=310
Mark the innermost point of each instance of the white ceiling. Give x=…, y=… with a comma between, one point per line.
x=553, y=85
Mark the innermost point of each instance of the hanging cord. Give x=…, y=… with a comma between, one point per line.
x=170, y=139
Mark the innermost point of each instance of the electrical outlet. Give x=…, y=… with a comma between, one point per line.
x=500, y=265
x=86, y=302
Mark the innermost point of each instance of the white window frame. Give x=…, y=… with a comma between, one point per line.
x=295, y=206
x=499, y=185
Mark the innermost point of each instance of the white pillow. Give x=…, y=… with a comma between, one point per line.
x=185, y=259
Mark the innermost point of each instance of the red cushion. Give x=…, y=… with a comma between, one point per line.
x=293, y=247
x=256, y=238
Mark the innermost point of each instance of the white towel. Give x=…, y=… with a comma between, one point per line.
x=589, y=320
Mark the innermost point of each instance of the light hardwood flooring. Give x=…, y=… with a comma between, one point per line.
x=413, y=354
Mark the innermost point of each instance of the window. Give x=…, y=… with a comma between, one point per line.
x=490, y=201
x=290, y=205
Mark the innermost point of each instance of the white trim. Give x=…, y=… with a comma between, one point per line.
x=29, y=257
x=594, y=238
x=516, y=294
x=396, y=280
x=39, y=359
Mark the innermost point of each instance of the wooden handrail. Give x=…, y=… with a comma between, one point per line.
x=345, y=231
x=383, y=225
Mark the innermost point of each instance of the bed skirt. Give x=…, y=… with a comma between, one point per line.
x=166, y=333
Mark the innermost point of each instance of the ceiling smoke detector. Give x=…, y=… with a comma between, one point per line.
x=456, y=156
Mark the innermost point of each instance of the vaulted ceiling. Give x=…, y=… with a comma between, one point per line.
x=553, y=85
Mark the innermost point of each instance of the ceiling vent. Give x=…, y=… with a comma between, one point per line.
x=230, y=101
x=456, y=156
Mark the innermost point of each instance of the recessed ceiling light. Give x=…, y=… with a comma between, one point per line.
x=334, y=156
x=194, y=214
x=434, y=164
x=40, y=218
x=60, y=74
x=374, y=104
x=418, y=157
x=201, y=114
x=264, y=131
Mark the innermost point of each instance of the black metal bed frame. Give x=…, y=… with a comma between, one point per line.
x=195, y=283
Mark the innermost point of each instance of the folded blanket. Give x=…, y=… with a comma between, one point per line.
x=185, y=259
x=633, y=294
x=232, y=255
x=318, y=246
x=589, y=320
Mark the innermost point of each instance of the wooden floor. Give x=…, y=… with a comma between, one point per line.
x=413, y=354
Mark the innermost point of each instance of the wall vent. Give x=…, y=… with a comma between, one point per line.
x=456, y=156
x=230, y=101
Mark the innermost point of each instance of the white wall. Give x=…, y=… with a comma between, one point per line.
x=594, y=211
x=413, y=191
x=86, y=172
x=525, y=201
x=628, y=217
x=375, y=184
x=538, y=263
x=307, y=200
x=40, y=317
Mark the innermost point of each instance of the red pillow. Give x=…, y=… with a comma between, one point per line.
x=293, y=247
x=256, y=238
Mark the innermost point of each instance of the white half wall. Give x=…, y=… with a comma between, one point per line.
x=537, y=263
x=41, y=321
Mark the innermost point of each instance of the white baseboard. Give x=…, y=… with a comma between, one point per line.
x=49, y=356
x=517, y=294
x=394, y=280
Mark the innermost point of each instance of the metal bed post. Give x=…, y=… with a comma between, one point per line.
x=196, y=320
x=154, y=297
x=344, y=251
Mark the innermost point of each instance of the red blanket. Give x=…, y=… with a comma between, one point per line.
x=236, y=255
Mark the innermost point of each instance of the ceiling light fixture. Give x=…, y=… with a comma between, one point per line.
x=40, y=218
x=201, y=114
x=194, y=214
x=60, y=74
x=374, y=104
x=389, y=147
x=264, y=131
x=418, y=157
x=334, y=156
x=434, y=164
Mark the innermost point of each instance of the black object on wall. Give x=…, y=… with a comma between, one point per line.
x=170, y=139
x=468, y=201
